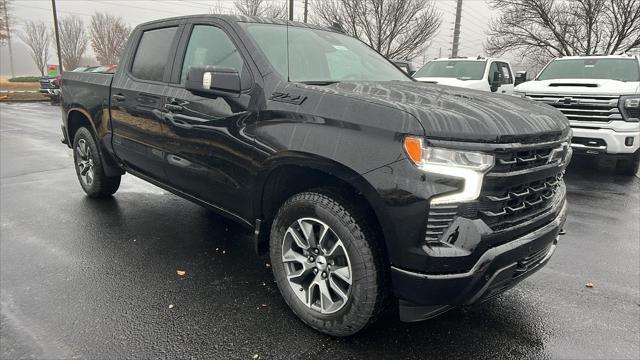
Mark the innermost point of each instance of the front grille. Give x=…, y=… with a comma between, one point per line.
x=504, y=208
x=522, y=186
x=508, y=161
x=583, y=107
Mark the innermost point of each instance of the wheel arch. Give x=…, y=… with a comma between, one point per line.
x=77, y=118
x=290, y=172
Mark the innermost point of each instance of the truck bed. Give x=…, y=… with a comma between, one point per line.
x=90, y=92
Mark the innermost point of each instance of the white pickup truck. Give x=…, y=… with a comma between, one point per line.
x=479, y=73
x=600, y=95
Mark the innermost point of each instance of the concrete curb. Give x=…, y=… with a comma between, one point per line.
x=23, y=101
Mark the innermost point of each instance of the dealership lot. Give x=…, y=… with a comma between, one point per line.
x=90, y=279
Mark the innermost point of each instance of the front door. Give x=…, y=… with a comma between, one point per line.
x=505, y=85
x=136, y=102
x=209, y=153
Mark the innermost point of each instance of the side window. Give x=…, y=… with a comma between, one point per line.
x=209, y=45
x=492, y=70
x=152, y=55
x=506, y=73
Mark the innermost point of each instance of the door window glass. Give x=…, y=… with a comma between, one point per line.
x=152, y=54
x=506, y=73
x=210, y=45
x=492, y=70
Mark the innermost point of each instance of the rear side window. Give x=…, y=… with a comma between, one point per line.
x=152, y=55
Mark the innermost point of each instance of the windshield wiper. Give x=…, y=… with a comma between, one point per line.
x=320, y=83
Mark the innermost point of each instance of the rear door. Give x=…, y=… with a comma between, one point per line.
x=136, y=99
x=210, y=151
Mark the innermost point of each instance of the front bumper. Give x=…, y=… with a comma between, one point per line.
x=612, y=138
x=423, y=296
x=50, y=92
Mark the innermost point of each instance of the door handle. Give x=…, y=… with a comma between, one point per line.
x=118, y=97
x=173, y=107
x=177, y=122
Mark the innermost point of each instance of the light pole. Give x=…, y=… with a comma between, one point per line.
x=6, y=17
x=290, y=10
x=55, y=27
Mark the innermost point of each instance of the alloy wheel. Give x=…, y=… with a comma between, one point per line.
x=84, y=161
x=317, y=265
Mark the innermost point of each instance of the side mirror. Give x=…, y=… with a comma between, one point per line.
x=497, y=81
x=521, y=77
x=213, y=80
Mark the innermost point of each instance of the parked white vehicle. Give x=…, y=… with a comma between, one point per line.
x=487, y=74
x=600, y=95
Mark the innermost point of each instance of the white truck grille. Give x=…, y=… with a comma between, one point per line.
x=583, y=107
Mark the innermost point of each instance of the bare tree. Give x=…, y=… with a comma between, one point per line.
x=544, y=29
x=37, y=37
x=261, y=8
x=4, y=21
x=73, y=41
x=109, y=35
x=398, y=29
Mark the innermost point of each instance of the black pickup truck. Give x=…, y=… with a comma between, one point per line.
x=366, y=188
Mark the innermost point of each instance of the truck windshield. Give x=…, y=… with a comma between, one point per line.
x=462, y=70
x=594, y=68
x=322, y=57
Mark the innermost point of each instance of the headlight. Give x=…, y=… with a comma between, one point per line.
x=630, y=107
x=467, y=165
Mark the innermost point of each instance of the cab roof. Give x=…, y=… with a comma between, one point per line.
x=240, y=19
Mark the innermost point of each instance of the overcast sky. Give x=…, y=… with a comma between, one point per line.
x=475, y=18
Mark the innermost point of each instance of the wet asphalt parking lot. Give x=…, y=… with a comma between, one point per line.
x=81, y=278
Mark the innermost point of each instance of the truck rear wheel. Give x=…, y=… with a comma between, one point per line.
x=89, y=168
x=629, y=166
x=327, y=263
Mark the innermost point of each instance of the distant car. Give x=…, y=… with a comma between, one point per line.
x=405, y=66
x=108, y=69
x=600, y=95
x=50, y=86
x=480, y=73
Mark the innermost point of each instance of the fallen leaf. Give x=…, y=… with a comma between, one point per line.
x=264, y=305
x=589, y=285
x=267, y=265
x=181, y=272
x=171, y=306
x=256, y=356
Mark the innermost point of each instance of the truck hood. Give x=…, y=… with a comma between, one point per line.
x=458, y=114
x=469, y=84
x=580, y=87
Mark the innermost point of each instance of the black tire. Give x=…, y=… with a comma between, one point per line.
x=628, y=166
x=368, y=294
x=100, y=185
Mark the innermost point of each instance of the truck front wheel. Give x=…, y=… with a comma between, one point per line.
x=629, y=166
x=89, y=168
x=327, y=262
